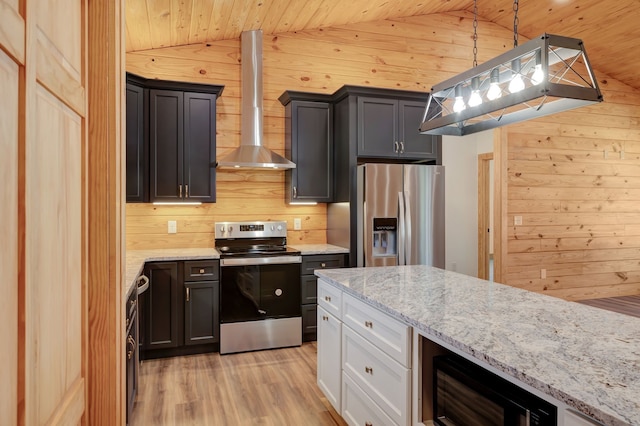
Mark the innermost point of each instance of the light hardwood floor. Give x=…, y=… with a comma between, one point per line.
x=274, y=387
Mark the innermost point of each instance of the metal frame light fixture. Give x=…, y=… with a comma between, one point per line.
x=546, y=75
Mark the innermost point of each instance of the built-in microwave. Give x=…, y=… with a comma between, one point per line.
x=467, y=394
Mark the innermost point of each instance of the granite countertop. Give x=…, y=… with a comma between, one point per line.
x=135, y=260
x=586, y=357
x=309, y=249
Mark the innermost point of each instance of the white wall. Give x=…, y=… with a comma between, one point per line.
x=460, y=158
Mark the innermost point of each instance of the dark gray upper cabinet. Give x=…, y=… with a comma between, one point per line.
x=388, y=128
x=179, y=122
x=137, y=149
x=182, y=145
x=309, y=144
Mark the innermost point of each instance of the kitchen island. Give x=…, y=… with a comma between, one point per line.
x=577, y=356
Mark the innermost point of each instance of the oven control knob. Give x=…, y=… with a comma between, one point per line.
x=222, y=229
x=279, y=227
x=230, y=228
x=278, y=292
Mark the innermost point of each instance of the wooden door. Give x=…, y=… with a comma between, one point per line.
x=9, y=124
x=45, y=179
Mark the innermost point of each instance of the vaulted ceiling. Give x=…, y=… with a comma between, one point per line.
x=609, y=29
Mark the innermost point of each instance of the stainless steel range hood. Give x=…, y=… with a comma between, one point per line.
x=251, y=154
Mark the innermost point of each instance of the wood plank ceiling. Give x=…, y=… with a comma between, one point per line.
x=609, y=29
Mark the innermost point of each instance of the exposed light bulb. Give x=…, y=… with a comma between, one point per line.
x=538, y=75
x=458, y=105
x=516, y=84
x=475, y=99
x=494, y=91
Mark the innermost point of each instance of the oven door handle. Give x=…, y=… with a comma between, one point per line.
x=268, y=260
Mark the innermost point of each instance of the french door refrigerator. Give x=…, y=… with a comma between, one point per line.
x=400, y=215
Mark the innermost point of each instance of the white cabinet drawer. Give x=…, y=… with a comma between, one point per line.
x=384, y=380
x=330, y=298
x=358, y=409
x=388, y=334
x=329, y=371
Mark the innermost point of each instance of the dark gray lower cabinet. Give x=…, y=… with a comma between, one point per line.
x=309, y=290
x=201, y=302
x=162, y=307
x=180, y=308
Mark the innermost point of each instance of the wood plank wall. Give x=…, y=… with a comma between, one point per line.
x=575, y=180
x=580, y=222
x=403, y=54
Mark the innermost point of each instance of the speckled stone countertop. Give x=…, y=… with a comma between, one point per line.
x=586, y=357
x=137, y=258
x=308, y=249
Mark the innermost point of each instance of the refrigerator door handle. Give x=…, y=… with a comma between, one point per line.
x=407, y=229
x=401, y=230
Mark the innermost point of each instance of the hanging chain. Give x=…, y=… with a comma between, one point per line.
x=516, y=21
x=475, y=33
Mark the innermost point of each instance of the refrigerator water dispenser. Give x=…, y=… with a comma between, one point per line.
x=384, y=239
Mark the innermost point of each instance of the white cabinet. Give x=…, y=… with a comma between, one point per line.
x=364, y=360
x=384, y=380
x=392, y=336
x=571, y=418
x=359, y=409
x=329, y=356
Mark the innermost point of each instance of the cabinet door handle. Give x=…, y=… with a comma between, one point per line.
x=368, y=324
x=401, y=147
x=368, y=370
x=395, y=146
x=126, y=325
x=186, y=191
x=325, y=318
x=131, y=341
x=188, y=294
x=295, y=192
x=327, y=298
x=179, y=191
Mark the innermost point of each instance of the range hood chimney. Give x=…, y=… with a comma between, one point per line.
x=251, y=154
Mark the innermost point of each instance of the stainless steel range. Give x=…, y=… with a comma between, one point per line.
x=259, y=287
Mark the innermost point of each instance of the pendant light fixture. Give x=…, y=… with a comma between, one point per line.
x=546, y=75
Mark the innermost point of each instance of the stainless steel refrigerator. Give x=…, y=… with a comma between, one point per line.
x=397, y=217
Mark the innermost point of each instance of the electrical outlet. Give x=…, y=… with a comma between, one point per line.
x=517, y=220
x=454, y=266
x=297, y=224
x=172, y=227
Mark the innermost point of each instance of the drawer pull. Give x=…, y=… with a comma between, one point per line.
x=327, y=298
x=368, y=324
x=368, y=370
x=325, y=318
x=323, y=265
x=127, y=323
x=201, y=271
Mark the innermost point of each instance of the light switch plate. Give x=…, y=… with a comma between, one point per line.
x=297, y=224
x=172, y=227
x=517, y=220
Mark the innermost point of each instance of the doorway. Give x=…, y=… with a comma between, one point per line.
x=485, y=216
